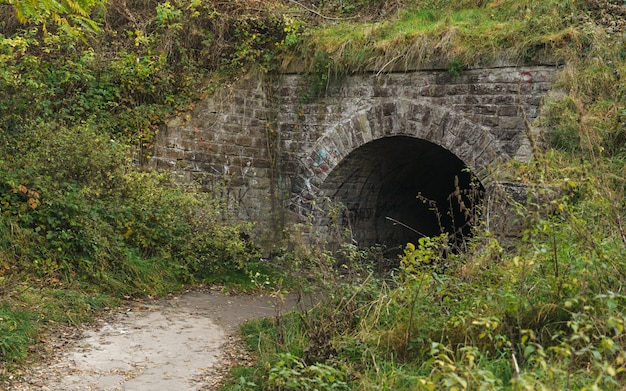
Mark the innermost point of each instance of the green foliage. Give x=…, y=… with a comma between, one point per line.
x=362, y=9
x=76, y=213
x=316, y=82
x=425, y=257
x=259, y=39
x=132, y=78
x=95, y=212
x=548, y=314
x=455, y=67
x=268, y=339
x=563, y=120
x=290, y=373
x=80, y=216
x=70, y=16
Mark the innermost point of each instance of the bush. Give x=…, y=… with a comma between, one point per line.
x=290, y=373
x=93, y=212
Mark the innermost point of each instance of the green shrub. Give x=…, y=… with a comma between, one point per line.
x=290, y=373
x=95, y=214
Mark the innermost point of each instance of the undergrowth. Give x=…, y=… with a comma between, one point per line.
x=546, y=312
x=84, y=222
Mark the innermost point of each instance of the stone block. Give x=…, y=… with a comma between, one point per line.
x=464, y=108
x=388, y=108
x=486, y=121
x=172, y=153
x=457, y=89
x=511, y=123
x=486, y=109
x=508, y=110
x=163, y=164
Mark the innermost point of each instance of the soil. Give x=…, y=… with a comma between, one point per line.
x=182, y=343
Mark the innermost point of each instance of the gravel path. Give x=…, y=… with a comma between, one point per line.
x=183, y=343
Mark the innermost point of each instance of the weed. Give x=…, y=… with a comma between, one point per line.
x=455, y=67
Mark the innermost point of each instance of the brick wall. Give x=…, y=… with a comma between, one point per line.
x=271, y=153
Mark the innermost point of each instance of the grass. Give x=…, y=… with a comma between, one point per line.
x=469, y=323
x=28, y=312
x=16, y=333
x=260, y=336
x=514, y=32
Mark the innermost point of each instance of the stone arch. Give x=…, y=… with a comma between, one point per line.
x=369, y=162
x=472, y=143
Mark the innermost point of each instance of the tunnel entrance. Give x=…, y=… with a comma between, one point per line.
x=398, y=189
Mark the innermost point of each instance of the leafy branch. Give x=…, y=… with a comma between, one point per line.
x=70, y=16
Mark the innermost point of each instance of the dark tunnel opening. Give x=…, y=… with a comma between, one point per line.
x=398, y=189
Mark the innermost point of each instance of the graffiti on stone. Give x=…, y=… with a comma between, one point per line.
x=232, y=182
x=320, y=161
x=303, y=191
x=310, y=171
x=323, y=159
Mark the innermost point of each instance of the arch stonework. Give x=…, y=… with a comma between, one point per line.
x=267, y=150
x=474, y=144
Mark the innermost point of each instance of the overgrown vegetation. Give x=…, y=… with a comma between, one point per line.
x=544, y=312
x=84, y=222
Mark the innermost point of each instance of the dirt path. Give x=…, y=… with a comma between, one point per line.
x=183, y=343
